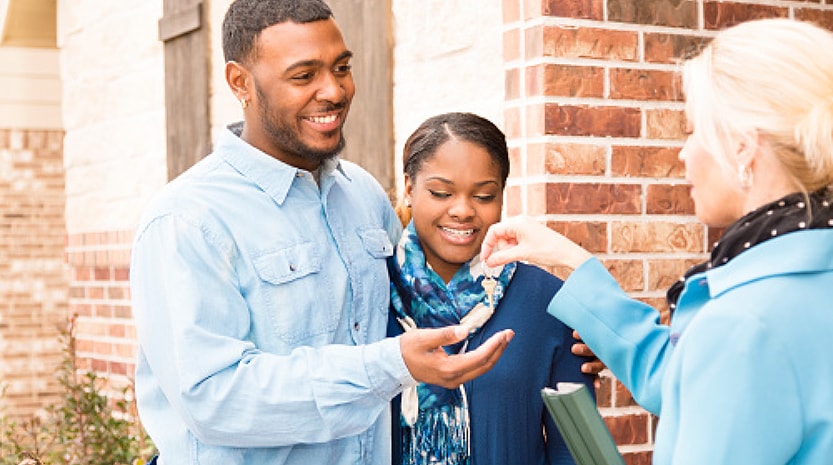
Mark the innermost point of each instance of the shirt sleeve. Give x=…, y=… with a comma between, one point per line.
x=193, y=328
x=737, y=393
x=624, y=333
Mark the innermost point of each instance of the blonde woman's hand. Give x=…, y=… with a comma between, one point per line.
x=524, y=239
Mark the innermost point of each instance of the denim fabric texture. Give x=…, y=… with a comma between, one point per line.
x=260, y=300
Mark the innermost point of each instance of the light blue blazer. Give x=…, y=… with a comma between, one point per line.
x=744, y=374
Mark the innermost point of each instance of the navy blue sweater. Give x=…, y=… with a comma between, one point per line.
x=508, y=417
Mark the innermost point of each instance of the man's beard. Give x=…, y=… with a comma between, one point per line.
x=284, y=137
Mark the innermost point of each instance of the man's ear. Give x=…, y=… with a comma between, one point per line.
x=238, y=79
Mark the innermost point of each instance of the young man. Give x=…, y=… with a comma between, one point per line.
x=259, y=283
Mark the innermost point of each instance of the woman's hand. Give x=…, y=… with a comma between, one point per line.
x=523, y=239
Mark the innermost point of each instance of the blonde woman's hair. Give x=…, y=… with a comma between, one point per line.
x=772, y=76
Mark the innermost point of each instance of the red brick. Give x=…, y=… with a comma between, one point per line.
x=646, y=162
x=566, y=198
x=512, y=122
x=624, y=398
x=592, y=235
x=101, y=274
x=638, y=458
x=116, y=293
x=670, y=48
x=116, y=330
x=631, y=428
x=580, y=9
x=823, y=18
x=532, y=9
x=516, y=168
x=628, y=273
x=720, y=15
x=536, y=199
x=552, y=80
x=512, y=45
x=556, y=158
x=511, y=11
x=665, y=124
x=123, y=312
x=121, y=274
x=662, y=273
x=656, y=236
x=644, y=84
x=512, y=83
x=512, y=201
x=587, y=42
x=535, y=117
x=570, y=120
x=674, y=13
x=94, y=292
x=669, y=199
x=604, y=391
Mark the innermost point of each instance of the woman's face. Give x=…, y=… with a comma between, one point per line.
x=717, y=200
x=455, y=197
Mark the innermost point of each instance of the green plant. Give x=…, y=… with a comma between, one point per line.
x=85, y=428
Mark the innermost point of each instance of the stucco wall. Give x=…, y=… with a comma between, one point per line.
x=448, y=57
x=114, y=113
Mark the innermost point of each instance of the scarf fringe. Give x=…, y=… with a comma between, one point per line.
x=440, y=436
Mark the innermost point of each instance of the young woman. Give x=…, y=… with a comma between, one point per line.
x=456, y=166
x=745, y=372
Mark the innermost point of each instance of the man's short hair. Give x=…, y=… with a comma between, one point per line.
x=245, y=19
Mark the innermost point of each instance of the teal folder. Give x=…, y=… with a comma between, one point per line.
x=580, y=424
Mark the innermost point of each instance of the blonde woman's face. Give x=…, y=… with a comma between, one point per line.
x=717, y=200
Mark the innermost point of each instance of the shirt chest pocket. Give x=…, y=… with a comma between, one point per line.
x=288, y=264
x=373, y=284
x=292, y=292
x=376, y=242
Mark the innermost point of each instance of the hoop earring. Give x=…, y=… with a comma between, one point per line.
x=244, y=103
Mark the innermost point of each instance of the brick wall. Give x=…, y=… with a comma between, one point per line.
x=33, y=275
x=595, y=120
x=99, y=300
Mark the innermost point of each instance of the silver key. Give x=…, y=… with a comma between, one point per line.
x=489, y=284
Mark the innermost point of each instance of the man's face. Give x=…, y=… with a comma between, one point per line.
x=303, y=88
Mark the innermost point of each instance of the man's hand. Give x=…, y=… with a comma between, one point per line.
x=593, y=367
x=422, y=350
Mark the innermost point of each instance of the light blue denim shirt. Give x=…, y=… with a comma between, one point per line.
x=260, y=303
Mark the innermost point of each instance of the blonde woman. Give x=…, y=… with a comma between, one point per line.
x=744, y=374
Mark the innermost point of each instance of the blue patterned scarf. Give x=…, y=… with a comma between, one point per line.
x=437, y=433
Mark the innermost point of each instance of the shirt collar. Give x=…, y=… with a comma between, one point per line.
x=270, y=174
x=796, y=252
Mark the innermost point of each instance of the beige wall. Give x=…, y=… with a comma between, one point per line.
x=448, y=57
x=114, y=114
x=30, y=88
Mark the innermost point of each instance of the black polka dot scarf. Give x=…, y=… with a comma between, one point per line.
x=788, y=214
